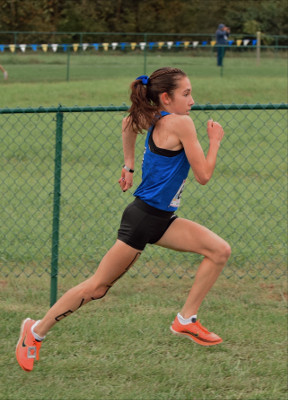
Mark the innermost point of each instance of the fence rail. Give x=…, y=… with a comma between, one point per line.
x=61, y=204
x=97, y=58
x=17, y=37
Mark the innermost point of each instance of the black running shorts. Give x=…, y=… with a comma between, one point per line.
x=142, y=224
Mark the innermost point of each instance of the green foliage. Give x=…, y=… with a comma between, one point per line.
x=251, y=27
x=267, y=16
x=171, y=16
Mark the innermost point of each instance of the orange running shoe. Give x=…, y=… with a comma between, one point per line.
x=196, y=332
x=27, y=349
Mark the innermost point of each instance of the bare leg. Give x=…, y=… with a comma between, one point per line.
x=113, y=265
x=188, y=236
x=4, y=72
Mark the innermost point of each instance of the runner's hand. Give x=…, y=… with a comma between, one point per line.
x=126, y=180
x=215, y=131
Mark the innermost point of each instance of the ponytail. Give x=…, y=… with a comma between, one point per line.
x=145, y=92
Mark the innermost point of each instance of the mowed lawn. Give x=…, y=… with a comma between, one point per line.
x=100, y=79
x=120, y=347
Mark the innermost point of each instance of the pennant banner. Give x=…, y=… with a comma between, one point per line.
x=23, y=47
x=54, y=47
x=123, y=45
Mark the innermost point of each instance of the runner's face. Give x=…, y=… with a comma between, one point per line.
x=182, y=101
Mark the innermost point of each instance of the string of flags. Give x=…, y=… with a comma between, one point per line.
x=123, y=45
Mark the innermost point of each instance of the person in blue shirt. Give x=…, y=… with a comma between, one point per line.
x=160, y=104
x=222, y=34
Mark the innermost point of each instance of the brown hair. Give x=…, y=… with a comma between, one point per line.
x=144, y=110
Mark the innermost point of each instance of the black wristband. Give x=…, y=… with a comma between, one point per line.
x=128, y=169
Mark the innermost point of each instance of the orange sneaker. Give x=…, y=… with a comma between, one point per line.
x=196, y=332
x=27, y=349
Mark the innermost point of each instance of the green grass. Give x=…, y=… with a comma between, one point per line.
x=104, y=79
x=123, y=350
x=244, y=202
x=121, y=347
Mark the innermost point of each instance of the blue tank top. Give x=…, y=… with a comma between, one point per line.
x=164, y=173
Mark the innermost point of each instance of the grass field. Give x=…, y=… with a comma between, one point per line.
x=120, y=348
x=41, y=80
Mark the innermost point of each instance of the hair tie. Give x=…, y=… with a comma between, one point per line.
x=143, y=78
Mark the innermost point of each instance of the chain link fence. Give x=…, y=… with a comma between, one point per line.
x=61, y=204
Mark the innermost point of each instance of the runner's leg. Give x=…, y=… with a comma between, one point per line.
x=188, y=236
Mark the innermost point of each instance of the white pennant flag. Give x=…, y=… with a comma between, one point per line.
x=169, y=45
x=195, y=44
x=142, y=45
x=246, y=41
x=22, y=47
x=54, y=47
x=114, y=45
x=84, y=46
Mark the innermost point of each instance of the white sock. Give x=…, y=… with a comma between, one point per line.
x=37, y=337
x=186, y=321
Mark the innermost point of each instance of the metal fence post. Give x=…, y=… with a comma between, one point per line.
x=68, y=64
x=222, y=49
x=56, y=207
x=254, y=223
x=145, y=53
x=258, y=47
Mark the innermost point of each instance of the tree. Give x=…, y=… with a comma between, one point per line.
x=167, y=16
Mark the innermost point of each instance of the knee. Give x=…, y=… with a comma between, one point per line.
x=94, y=291
x=223, y=253
x=100, y=292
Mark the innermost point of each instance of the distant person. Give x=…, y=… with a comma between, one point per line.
x=5, y=73
x=222, y=34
